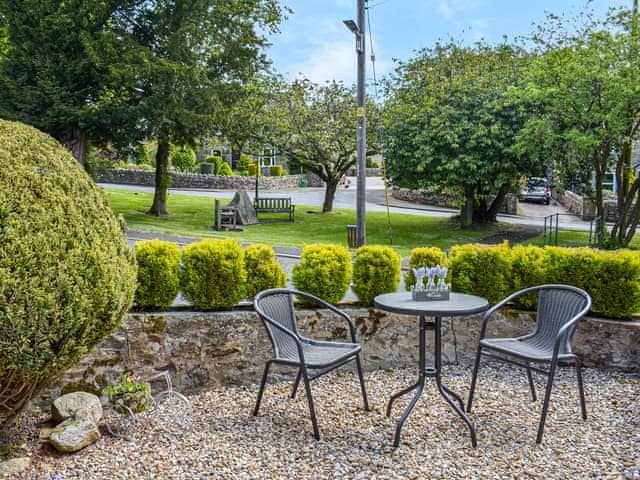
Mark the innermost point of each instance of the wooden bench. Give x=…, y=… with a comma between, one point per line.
x=275, y=205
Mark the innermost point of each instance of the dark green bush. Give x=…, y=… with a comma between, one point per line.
x=376, y=270
x=213, y=275
x=263, y=270
x=158, y=273
x=423, y=257
x=481, y=270
x=67, y=275
x=324, y=271
x=275, y=170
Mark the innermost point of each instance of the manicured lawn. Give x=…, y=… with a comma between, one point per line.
x=192, y=216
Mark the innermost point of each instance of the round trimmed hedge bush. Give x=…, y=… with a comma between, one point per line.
x=158, y=273
x=67, y=275
x=213, y=275
x=324, y=271
x=263, y=270
x=376, y=270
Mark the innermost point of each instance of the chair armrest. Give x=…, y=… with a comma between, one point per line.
x=500, y=304
x=285, y=330
x=333, y=308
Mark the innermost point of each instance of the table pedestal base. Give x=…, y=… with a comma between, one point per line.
x=432, y=372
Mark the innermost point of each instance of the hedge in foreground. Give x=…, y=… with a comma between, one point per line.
x=376, y=270
x=423, y=257
x=158, y=273
x=263, y=270
x=67, y=275
x=324, y=271
x=213, y=276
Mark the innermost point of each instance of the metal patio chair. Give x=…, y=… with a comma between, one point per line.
x=276, y=310
x=560, y=308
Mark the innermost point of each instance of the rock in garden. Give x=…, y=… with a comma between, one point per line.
x=74, y=434
x=68, y=406
x=14, y=466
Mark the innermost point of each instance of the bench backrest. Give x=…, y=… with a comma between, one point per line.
x=273, y=203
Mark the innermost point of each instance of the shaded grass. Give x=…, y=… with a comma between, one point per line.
x=192, y=216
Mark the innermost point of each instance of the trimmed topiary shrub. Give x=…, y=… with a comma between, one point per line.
x=243, y=162
x=528, y=268
x=213, y=275
x=423, y=257
x=224, y=170
x=67, y=275
x=253, y=170
x=376, y=270
x=324, y=271
x=263, y=270
x=275, y=170
x=481, y=270
x=158, y=273
x=183, y=159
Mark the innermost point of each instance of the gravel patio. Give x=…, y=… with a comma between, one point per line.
x=227, y=442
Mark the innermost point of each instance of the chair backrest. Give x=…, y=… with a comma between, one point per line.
x=557, y=306
x=275, y=308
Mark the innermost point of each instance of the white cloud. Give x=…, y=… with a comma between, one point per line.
x=333, y=60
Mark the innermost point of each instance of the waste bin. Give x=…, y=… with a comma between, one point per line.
x=352, y=236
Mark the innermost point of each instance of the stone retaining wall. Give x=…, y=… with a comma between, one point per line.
x=208, y=181
x=202, y=349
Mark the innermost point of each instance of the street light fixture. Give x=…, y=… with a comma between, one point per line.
x=358, y=30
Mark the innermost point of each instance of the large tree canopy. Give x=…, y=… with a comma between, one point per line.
x=587, y=85
x=452, y=124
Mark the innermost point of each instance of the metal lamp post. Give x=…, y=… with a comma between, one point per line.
x=361, y=134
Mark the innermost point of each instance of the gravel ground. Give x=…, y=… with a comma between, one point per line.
x=227, y=442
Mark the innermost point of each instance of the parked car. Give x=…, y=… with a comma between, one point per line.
x=536, y=189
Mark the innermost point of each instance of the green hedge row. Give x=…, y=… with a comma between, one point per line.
x=215, y=274
x=612, y=278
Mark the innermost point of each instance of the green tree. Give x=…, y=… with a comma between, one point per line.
x=49, y=72
x=450, y=123
x=588, y=87
x=179, y=59
x=315, y=126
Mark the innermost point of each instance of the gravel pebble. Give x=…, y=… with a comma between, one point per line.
x=225, y=441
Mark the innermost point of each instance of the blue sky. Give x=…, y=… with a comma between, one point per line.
x=314, y=42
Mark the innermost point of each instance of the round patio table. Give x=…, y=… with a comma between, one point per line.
x=457, y=305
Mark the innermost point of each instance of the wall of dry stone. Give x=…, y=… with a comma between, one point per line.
x=202, y=349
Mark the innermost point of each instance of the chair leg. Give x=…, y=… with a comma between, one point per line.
x=262, y=384
x=583, y=404
x=364, y=391
x=531, y=385
x=312, y=411
x=545, y=403
x=474, y=377
x=296, y=384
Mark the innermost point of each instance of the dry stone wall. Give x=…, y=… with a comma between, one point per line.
x=202, y=349
x=208, y=181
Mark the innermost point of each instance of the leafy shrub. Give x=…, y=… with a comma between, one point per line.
x=145, y=166
x=67, y=275
x=158, y=273
x=141, y=152
x=183, y=159
x=243, y=162
x=215, y=160
x=224, y=170
x=253, y=170
x=376, y=270
x=481, y=270
x=528, y=268
x=423, y=257
x=324, y=271
x=263, y=270
x=213, y=275
x=275, y=170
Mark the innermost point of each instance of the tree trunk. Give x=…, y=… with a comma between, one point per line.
x=163, y=179
x=76, y=143
x=329, y=195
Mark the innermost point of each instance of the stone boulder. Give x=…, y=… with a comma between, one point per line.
x=74, y=434
x=14, y=466
x=246, y=214
x=67, y=406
